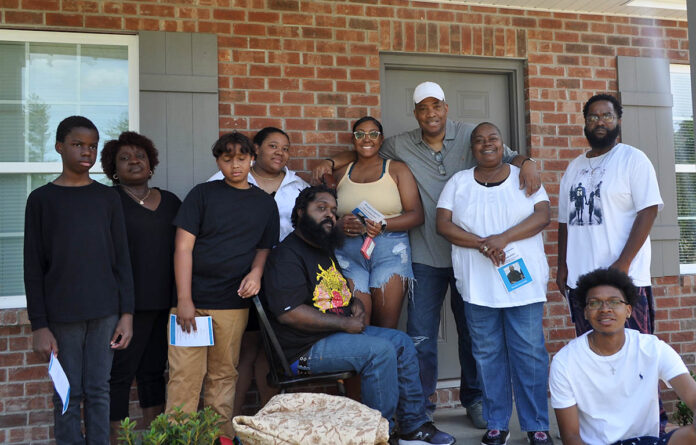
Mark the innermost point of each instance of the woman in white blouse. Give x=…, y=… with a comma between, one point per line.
x=501, y=273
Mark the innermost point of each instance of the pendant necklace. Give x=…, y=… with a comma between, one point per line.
x=140, y=201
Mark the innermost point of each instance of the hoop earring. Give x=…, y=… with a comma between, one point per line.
x=115, y=177
x=151, y=173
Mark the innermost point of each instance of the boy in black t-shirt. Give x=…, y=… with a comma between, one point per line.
x=77, y=277
x=225, y=230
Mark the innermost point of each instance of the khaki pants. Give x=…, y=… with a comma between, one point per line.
x=189, y=367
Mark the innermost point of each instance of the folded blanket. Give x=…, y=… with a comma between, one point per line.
x=312, y=419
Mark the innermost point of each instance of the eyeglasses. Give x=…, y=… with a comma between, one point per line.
x=606, y=117
x=613, y=303
x=361, y=134
x=440, y=166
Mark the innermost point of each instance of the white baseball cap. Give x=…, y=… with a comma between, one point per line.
x=428, y=89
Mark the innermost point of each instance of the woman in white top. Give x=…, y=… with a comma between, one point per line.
x=604, y=383
x=501, y=273
x=271, y=174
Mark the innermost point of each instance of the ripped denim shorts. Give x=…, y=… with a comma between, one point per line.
x=391, y=256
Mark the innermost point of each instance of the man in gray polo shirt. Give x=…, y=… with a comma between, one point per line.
x=434, y=152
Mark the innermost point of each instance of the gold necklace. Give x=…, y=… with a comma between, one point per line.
x=140, y=201
x=267, y=178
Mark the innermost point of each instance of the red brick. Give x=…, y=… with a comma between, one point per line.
x=156, y=10
x=21, y=17
x=283, y=58
x=284, y=5
x=41, y=5
x=55, y=19
x=298, y=71
x=331, y=99
x=320, y=111
x=350, y=86
x=264, y=70
x=103, y=22
x=333, y=125
x=361, y=74
x=265, y=122
x=332, y=73
x=317, y=85
x=272, y=97
x=9, y=4
x=350, y=35
x=250, y=110
x=300, y=124
x=13, y=420
x=248, y=83
x=298, y=98
x=283, y=84
x=249, y=29
x=80, y=6
x=27, y=373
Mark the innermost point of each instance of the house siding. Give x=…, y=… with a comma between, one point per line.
x=313, y=67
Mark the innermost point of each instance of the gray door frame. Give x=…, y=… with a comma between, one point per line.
x=512, y=68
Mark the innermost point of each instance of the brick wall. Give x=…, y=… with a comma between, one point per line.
x=312, y=67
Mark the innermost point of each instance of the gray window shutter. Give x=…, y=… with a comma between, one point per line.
x=647, y=124
x=179, y=105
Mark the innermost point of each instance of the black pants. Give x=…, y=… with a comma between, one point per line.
x=145, y=360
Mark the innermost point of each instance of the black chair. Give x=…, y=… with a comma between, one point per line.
x=280, y=375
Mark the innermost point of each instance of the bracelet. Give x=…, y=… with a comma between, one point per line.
x=333, y=164
x=527, y=159
x=384, y=228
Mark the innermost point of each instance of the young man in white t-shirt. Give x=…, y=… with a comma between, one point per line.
x=608, y=201
x=604, y=383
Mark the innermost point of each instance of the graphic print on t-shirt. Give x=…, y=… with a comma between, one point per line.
x=331, y=292
x=585, y=197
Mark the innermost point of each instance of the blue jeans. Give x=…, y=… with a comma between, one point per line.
x=510, y=354
x=388, y=368
x=423, y=324
x=86, y=356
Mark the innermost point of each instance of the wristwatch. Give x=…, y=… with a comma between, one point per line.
x=528, y=159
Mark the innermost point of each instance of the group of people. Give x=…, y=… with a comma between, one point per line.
x=104, y=269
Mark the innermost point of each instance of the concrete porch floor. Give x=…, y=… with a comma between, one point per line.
x=455, y=422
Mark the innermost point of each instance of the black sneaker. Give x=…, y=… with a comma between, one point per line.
x=495, y=437
x=426, y=434
x=539, y=438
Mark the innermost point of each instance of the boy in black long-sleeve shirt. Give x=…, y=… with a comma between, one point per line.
x=78, y=279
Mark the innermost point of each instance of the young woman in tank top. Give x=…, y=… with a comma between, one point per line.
x=389, y=186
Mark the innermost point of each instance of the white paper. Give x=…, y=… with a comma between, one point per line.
x=60, y=381
x=202, y=336
x=366, y=210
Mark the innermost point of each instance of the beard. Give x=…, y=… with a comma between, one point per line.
x=316, y=234
x=606, y=141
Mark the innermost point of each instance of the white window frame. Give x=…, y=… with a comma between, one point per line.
x=131, y=41
x=684, y=269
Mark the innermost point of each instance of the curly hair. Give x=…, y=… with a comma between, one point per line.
x=305, y=197
x=111, y=148
x=598, y=97
x=606, y=277
x=67, y=124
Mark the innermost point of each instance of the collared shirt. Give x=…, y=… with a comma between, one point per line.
x=284, y=197
x=427, y=246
